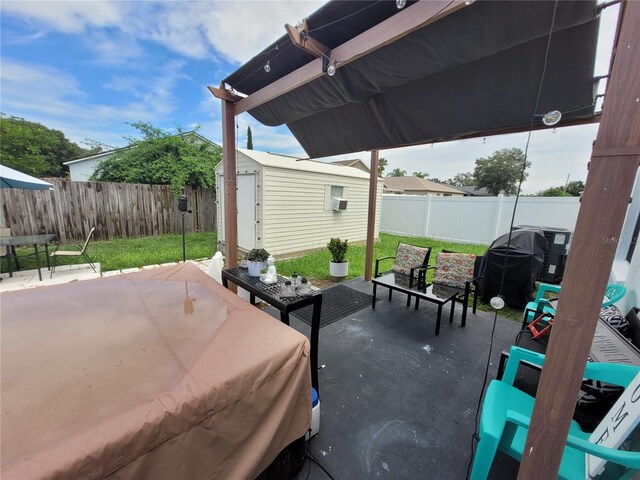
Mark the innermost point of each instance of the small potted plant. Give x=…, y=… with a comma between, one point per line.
x=338, y=267
x=256, y=261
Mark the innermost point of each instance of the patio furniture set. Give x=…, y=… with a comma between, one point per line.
x=455, y=278
x=10, y=242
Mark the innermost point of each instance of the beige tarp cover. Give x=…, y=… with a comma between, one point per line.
x=156, y=374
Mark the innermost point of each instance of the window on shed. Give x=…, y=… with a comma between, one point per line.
x=334, y=191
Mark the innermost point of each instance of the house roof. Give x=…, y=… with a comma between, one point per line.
x=422, y=86
x=474, y=191
x=351, y=163
x=277, y=160
x=111, y=152
x=418, y=184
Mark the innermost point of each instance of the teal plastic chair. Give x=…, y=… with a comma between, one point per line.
x=543, y=305
x=506, y=413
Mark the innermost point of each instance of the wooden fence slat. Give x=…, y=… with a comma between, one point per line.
x=115, y=209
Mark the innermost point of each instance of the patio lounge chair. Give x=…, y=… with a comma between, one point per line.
x=409, y=259
x=541, y=305
x=506, y=414
x=459, y=273
x=73, y=253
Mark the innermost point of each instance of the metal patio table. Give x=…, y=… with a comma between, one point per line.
x=33, y=240
x=270, y=294
x=432, y=293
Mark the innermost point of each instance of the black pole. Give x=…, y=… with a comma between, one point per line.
x=182, y=206
x=184, y=248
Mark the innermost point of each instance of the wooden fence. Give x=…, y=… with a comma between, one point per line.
x=115, y=209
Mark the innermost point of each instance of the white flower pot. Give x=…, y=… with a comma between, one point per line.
x=255, y=268
x=339, y=269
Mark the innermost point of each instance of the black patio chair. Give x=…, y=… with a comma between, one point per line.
x=409, y=260
x=461, y=273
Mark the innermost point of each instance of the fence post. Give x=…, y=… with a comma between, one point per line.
x=499, y=200
x=427, y=214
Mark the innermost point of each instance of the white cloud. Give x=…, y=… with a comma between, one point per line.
x=68, y=16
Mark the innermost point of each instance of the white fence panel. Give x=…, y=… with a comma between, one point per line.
x=472, y=219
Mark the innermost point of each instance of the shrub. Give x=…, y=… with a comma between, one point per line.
x=338, y=249
x=257, y=255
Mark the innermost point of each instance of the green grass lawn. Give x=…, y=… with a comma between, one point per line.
x=132, y=252
x=136, y=252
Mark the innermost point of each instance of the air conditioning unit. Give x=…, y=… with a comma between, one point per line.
x=338, y=204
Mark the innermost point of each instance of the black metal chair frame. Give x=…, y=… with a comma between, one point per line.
x=463, y=294
x=410, y=277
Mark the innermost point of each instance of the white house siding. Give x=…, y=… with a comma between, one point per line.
x=296, y=217
x=626, y=272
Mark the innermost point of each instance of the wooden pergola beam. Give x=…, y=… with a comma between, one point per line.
x=223, y=94
x=230, y=182
x=612, y=172
x=388, y=31
x=303, y=40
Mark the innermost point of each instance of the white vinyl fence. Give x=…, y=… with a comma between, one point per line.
x=472, y=219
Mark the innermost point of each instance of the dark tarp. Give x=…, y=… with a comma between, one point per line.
x=524, y=259
x=477, y=69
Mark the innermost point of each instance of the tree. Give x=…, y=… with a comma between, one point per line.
x=465, y=179
x=249, y=138
x=159, y=158
x=382, y=164
x=553, y=192
x=574, y=188
x=398, y=173
x=420, y=174
x=500, y=173
x=35, y=149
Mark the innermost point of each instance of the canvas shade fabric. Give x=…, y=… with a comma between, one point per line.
x=158, y=374
x=475, y=70
x=454, y=269
x=408, y=257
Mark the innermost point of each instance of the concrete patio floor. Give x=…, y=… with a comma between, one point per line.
x=23, y=279
x=398, y=402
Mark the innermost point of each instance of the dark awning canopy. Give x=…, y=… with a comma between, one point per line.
x=476, y=70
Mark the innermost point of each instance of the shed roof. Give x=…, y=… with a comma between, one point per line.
x=417, y=183
x=276, y=160
x=424, y=86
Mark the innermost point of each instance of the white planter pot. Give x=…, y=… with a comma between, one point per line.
x=255, y=268
x=339, y=269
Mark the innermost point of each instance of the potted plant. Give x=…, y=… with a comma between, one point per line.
x=338, y=267
x=256, y=261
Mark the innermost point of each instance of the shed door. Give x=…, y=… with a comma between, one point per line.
x=246, y=199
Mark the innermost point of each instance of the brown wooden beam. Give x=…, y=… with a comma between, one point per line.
x=388, y=31
x=224, y=94
x=371, y=218
x=305, y=41
x=230, y=182
x=602, y=212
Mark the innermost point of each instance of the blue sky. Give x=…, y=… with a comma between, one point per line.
x=88, y=67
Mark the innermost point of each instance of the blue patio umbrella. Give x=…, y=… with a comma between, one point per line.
x=10, y=178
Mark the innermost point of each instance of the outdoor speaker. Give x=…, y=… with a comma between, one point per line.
x=182, y=203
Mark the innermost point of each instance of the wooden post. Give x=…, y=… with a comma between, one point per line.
x=371, y=221
x=612, y=171
x=230, y=197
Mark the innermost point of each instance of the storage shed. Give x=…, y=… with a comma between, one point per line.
x=288, y=205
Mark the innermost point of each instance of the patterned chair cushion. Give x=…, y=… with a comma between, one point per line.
x=410, y=256
x=454, y=269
